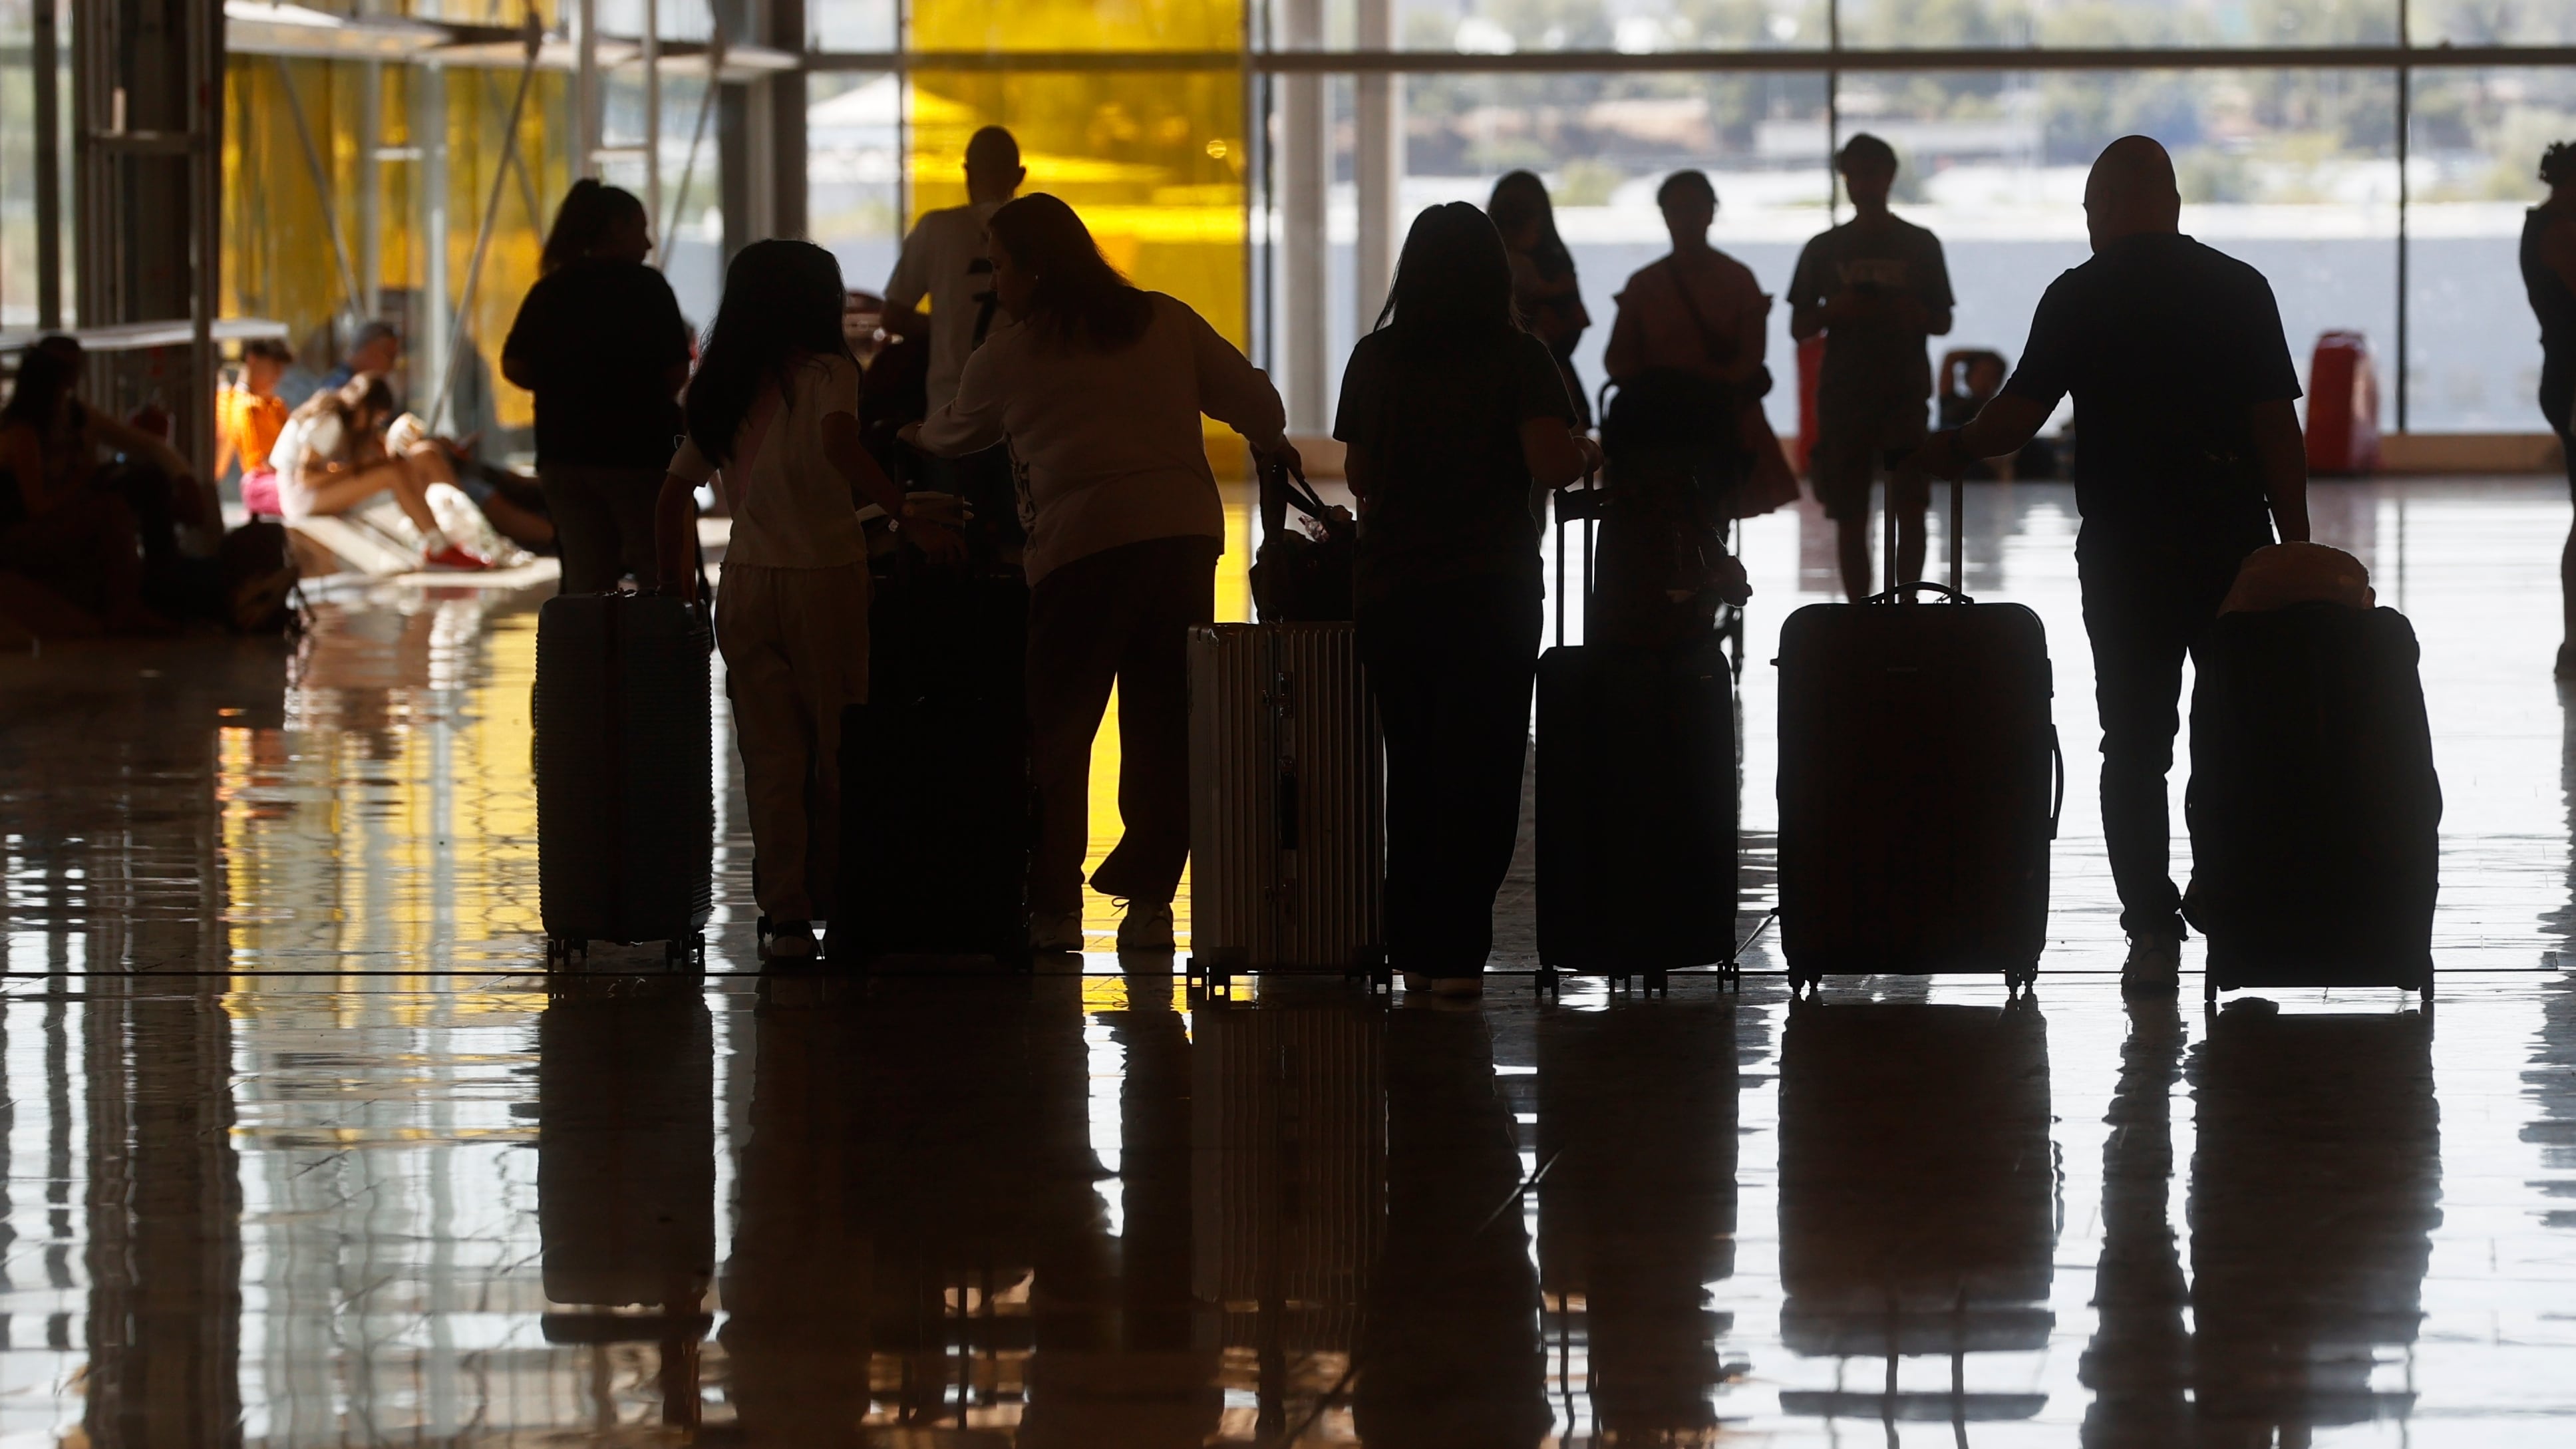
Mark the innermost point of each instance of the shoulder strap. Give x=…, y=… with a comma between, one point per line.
x=1707, y=335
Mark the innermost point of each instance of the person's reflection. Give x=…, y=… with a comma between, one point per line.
x=1636, y=1117
x=2551, y=1078
x=1449, y=1346
x=924, y=1238
x=1917, y=1196
x=2139, y=1362
x=2315, y=1186
x=626, y=1168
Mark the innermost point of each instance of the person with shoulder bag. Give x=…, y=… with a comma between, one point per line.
x=1700, y=316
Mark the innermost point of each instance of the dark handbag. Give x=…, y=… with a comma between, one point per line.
x=1298, y=579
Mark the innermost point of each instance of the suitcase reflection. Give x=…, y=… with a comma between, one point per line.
x=1637, y=1119
x=626, y=1177
x=2316, y=1185
x=1918, y=1199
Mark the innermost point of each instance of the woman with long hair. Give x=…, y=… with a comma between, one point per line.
x=774, y=412
x=1544, y=286
x=79, y=541
x=600, y=342
x=1098, y=387
x=1453, y=416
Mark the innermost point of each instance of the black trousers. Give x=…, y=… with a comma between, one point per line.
x=1120, y=616
x=2558, y=405
x=1451, y=665
x=2149, y=598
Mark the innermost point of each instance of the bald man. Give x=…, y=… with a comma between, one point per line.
x=2188, y=457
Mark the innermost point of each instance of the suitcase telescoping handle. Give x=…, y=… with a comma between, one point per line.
x=1956, y=589
x=1572, y=504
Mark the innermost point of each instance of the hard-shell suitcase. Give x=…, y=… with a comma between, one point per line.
x=1920, y=783
x=935, y=852
x=1287, y=805
x=1918, y=1197
x=1636, y=801
x=2313, y=805
x=625, y=773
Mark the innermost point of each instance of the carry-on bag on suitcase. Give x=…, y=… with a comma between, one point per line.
x=2314, y=809
x=935, y=855
x=625, y=773
x=1636, y=797
x=1920, y=783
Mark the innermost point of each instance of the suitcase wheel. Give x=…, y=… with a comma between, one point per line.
x=2426, y=996
x=2209, y=990
x=760, y=929
x=1550, y=985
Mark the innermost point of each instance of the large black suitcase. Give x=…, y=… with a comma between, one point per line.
x=1636, y=800
x=2314, y=809
x=935, y=772
x=625, y=773
x=1920, y=781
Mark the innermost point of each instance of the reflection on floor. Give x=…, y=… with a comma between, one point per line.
x=303, y=1147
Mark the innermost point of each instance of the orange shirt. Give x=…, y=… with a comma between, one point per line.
x=251, y=423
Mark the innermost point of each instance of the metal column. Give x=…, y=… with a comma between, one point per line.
x=1377, y=166
x=1304, y=241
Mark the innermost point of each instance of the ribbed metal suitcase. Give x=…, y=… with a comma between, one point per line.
x=625, y=773
x=1287, y=805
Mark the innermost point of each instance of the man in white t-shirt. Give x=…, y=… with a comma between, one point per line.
x=943, y=260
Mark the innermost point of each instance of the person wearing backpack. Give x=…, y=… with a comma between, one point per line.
x=1450, y=413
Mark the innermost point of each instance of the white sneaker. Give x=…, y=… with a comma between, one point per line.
x=1055, y=930
x=1147, y=926
x=1448, y=988
x=2154, y=967
x=791, y=944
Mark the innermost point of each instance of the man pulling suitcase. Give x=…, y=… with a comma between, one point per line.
x=2191, y=454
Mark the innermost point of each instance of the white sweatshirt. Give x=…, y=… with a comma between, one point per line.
x=1108, y=445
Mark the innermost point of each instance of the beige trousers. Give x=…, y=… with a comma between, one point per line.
x=795, y=645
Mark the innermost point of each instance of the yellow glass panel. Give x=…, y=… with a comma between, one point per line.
x=1153, y=160
x=1077, y=25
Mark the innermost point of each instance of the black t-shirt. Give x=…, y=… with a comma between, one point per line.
x=2165, y=344
x=1452, y=497
x=601, y=338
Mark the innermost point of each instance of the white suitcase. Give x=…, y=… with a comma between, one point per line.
x=1287, y=805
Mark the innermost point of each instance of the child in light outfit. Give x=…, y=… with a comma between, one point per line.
x=774, y=410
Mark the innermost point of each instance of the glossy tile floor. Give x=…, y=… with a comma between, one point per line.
x=304, y=1148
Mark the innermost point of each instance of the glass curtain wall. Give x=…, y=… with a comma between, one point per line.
x=2294, y=166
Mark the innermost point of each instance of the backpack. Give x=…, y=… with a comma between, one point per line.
x=255, y=571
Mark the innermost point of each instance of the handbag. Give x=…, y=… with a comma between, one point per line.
x=1303, y=579
x=1761, y=477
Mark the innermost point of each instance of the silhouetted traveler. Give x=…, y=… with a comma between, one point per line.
x=1698, y=314
x=132, y=459
x=376, y=348
x=2549, y=276
x=80, y=542
x=333, y=455
x=2184, y=397
x=1098, y=387
x=1876, y=288
x=944, y=263
x=1451, y=413
x=774, y=408
x=600, y=342
x=1544, y=286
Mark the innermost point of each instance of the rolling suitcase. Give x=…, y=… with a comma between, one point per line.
x=2313, y=806
x=1287, y=805
x=1636, y=800
x=935, y=855
x=625, y=773
x=1920, y=783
